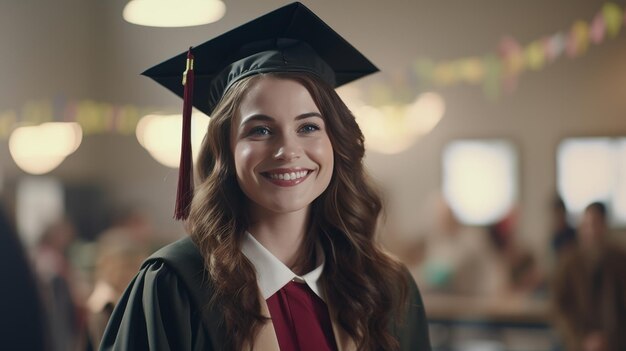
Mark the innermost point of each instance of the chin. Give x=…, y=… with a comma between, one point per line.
x=285, y=205
x=285, y=208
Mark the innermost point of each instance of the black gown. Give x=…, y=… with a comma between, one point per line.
x=166, y=307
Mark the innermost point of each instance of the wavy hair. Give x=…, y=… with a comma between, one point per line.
x=364, y=287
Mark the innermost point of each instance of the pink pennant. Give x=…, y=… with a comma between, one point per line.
x=597, y=29
x=513, y=62
x=70, y=112
x=509, y=46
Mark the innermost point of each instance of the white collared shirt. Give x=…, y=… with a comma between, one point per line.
x=272, y=274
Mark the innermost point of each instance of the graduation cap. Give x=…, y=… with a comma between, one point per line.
x=289, y=39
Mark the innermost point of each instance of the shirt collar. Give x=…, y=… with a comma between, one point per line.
x=272, y=274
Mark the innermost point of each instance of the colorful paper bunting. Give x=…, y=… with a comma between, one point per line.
x=471, y=70
x=613, y=17
x=535, y=55
x=93, y=117
x=578, y=40
x=513, y=58
x=597, y=29
x=556, y=46
x=493, y=71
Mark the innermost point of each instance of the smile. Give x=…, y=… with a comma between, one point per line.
x=285, y=177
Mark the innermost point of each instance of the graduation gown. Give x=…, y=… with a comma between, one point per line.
x=166, y=308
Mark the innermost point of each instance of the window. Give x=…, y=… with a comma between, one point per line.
x=593, y=169
x=480, y=179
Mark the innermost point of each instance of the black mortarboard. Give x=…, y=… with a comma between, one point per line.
x=289, y=39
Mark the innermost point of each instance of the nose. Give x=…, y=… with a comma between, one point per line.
x=287, y=149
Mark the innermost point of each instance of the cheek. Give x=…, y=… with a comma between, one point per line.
x=322, y=152
x=244, y=158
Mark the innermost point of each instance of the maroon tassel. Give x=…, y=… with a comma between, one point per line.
x=184, y=195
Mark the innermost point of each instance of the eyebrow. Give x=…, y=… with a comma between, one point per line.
x=262, y=117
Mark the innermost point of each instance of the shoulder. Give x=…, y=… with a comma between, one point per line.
x=179, y=255
x=179, y=251
x=163, y=305
x=415, y=304
x=412, y=333
x=183, y=260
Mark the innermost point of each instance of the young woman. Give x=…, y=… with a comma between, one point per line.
x=282, y=254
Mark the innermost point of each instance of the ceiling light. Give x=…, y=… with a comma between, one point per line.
x=40, y=149
x=173, y=13
x=393, y=128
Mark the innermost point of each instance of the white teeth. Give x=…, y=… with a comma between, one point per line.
x=289, y=176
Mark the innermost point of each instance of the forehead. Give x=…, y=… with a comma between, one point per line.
x=277, y=97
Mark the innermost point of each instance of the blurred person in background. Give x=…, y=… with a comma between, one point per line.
x=589, y=298
x=139, y=228
x=119, y=256
x=589, y=288
x=563, y=234
x=457, y=259
x=594, y=227
x=55, y=275
x=523, y=276
x=22, y=318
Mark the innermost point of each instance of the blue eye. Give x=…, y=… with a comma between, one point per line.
x=259, y=131
x=309, y=128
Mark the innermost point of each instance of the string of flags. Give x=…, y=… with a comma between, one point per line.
x=501, y=70
x=93, y=117
x=496, y=71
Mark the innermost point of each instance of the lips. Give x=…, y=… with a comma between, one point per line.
x=287, y=176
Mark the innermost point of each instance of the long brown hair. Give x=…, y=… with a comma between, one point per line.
x=364, y=287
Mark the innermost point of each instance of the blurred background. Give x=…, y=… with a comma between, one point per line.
x=496, y=131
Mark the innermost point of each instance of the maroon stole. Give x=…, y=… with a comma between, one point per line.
x=301, y=319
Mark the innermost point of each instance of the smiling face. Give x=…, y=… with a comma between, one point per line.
x=282, y=154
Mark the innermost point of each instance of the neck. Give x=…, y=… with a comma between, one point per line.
x=282, y=234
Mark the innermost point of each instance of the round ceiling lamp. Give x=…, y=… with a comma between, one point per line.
x=173, y=13
x=393, y=128
x=40, y=149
